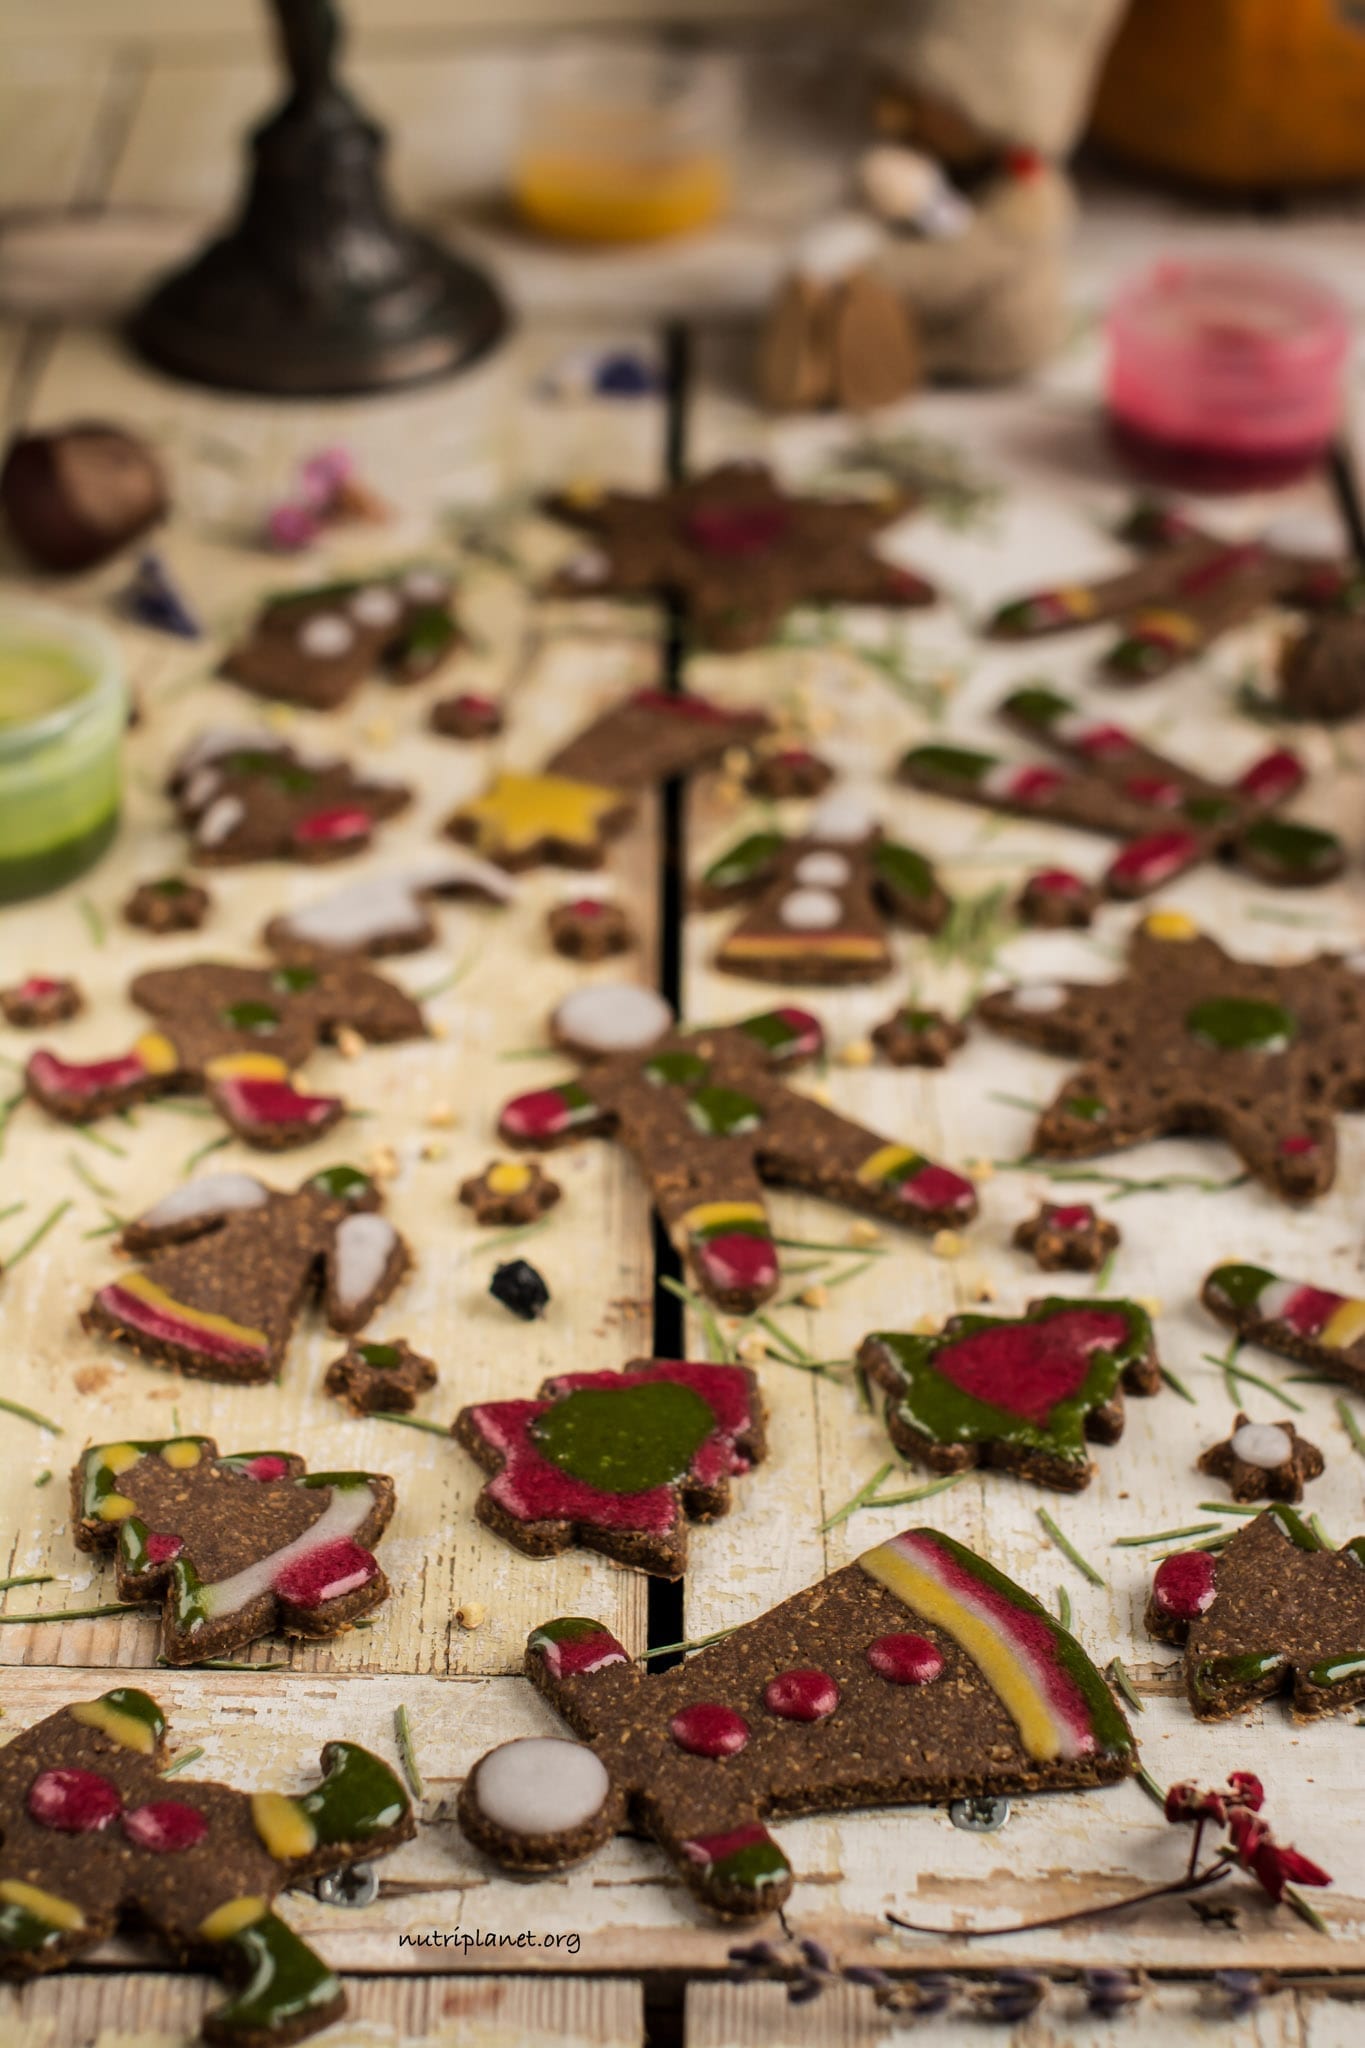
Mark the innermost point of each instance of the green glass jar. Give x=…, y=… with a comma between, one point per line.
x=63, y=712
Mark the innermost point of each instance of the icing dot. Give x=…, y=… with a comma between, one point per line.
x=612, y=1017
x=709, y=1729
x=269, y=1465
x=364, y=1245
x=541, y=1785
x=375, y=606
x=905, y=1659
x=211, y=1194
x=823, y=870
x=1185, y=1586
x=810, y=910
x=1035, y=997
x=801, y=1695
x=73, y=1802
x=326, y=636
x=221, y=818
x=426, y=586
x=162, y=1548
x=165, y=1826
x=843, y=817
x=1263, y=1444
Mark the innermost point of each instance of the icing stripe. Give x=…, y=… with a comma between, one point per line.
x=796, y=945
x=345, y=1512
x=141, y=1305
x=709, y=1216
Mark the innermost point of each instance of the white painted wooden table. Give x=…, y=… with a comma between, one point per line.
x=94, y=140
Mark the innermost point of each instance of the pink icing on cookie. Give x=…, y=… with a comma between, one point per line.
x=73, y=1802
x=736, y=529
x=165, y=1826
x=1273, y=778
x=936, y=1187
x=343, y=823
x=1153, y=859
x=165, y=1325
x=55, y=1076
x=709, y=1729
x=801, y=1695
x=326, y=1574
x=1185, y=1586
x=161, y=1549
x=269, y=1465
x=1027, y=1368
x=738, y=1260
x=274, y=1105
x=905, y=1659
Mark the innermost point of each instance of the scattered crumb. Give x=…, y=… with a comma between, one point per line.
x=348, y=1041
x=985, y=1290
x=379, y=732
x=1151, y=1302
x=751, y=1345
x=947, y=1245
x=818, y=1092
x=864, y=1233
x=437, y=1027
x=981, y=1169
x=735, y=763
x=434, y=1148
x=814, y=1296
x=473, y=1614
x=282, y=716
x=728, y=792
x=164, y=1394
x=441, y=1116
x=857, y=1053
x=383, y=1162
x=92, y=1379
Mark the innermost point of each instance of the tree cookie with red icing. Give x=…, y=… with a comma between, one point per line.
x=230, y=1263
x=94, y=1838
x=235, y=1547
x=236, y=1035
x=617, y=1462
x=917, y=1675
x=710, y=1121
x=1023, y=1394
x=1276, y=1610
x=250, y=796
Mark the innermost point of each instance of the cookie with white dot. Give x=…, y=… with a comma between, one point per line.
x=315, y=647
x=510, y=1191
x=1263, y=1461
x=246, y=796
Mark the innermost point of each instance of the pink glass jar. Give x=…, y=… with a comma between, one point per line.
x=1225, y=375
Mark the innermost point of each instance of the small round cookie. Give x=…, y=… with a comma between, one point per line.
x=466, y=716
x=40, y=1000
x=589, y=928
x=509, y=1191
x=170, y=904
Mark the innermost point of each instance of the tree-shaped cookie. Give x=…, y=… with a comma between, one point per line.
x=1187, y=590
x=315, y=647
x=588, y=791
x=618, y=1462
x=1170, y=817
x=236, y=1547
x=230, y=1263
x=1191, y=1040
x=94, y=1838
x=1023, y=1393
x=250, y=796
x=736, y=550
x=1313, y=1324
x=819, y=905
x=236, y=1034
x=1276, y=1610
x=709, y=1120
x=916, y=1675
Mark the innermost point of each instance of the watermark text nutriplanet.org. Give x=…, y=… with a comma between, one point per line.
x=465, y=1939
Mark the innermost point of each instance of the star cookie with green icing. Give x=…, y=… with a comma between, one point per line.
x=380, y=1379
x=1191, y=1040
x=235, y=1547
x=96, y=1839
x=1022, y=1393
x=618, y=1462
x=917, y=1675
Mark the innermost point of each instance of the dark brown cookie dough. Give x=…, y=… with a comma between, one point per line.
x=915, y=1037
x=170, y=904
x=1263, y=1461
x=372, y=1379
x=788, y=772
x=1054, y=899
x=1071, y=1235
x=589, y=928
x=466, y=716
x=315, y=647
x=510, y=1191
x=248, y=797
x=40, y=1000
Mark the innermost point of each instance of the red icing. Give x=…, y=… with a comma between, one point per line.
x=736, y=529
x=1185, y=1586
x=165, y=1825
x=542, y=1113
x=1309, y=1310
x=699, y=709
x=1035, y=785
x=810, y=1032
x=572, y=1658
x=326, y=1574
x=1272, y=778
x=74, y=1802
x=736, y=1260
x=475, y=705
x=1296, y=1144
x=709, y=1729
x=269, y=1465
x=1097, y=740
x=905, y=583
x=324, y=828
x=53, y=1076
x=1158, y=790
x=1070, y=1216
x=1223, y=565
x=936, y=1187
x=709, y=1849
x=37, y=986
x=161, y=1549
x=801, y=1695
x=1056, y=882
x=275, y=1105
x=1156, y=858
x=167, y=1327
x=905, y=1659
x=1027, y=1368
x=587, y=907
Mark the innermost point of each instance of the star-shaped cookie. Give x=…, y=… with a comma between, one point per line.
x=1263, y=1461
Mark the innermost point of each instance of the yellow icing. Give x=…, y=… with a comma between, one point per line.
x=707, y=1215
x=246, y=1066
x=508, y=1178
x=1012, y=1684
x=885, y=1161
x=114, y=1507
x=124, y=1729
x=1170, y=924
x=157, y=1053
x=1170, y=625
x=225, y=1921
x=146, y=1289
x=583, y=492
x=517, y=811
x=118, y=1457
x=1079, y=601
x=1344, y=1326
x=283, y=1825
x=792, y=945
x=44, y=1906
x=182, y=1455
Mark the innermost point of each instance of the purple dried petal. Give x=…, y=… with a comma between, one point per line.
x=817, y=1956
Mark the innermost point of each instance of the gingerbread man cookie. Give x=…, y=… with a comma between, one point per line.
x=250, y=796
x=1263, y=1461
x=315, y=647
x=379, y=1379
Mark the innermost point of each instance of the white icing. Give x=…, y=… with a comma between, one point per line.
x=1263, y=1444
x=361, y=1252
x=344, y=1513
x=843, y=817
x=219, y=821
x=823, y=870
x=1355, y=962
x=376, y=605
x=1034, y=997
x=388, y=906
x=1314, y=534
x=1272, y=1301
x=201, y=788
x=210, y=1195
x=810, y=910
x=326, y=635
x=218, y=740
x=613, y=1016
x=541, y=1785
x=426, y=586
x=835, y=248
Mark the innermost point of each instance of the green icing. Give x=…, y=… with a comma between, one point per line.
x=723, y=1113
x=676, y=1069
x=427, y=632
x=132, y=1544
x=271, y=767
x=760, y=1864
x=383, y=1357
x=1210, y=1676
x=358, y=1796
x=340, y=1482
x=565, y=1628
x=171, y=885
x=139, y=1706
x=957, y=764
x=98, y=1480
x=907, y=871
x=1241, y=1024
x=316, y=593
x=288, y=1989
x=251, y=1016
x=342, y=1183
x=189, y=1598
x=293, y=980
x=1206, y=810
x=1087, y=1108
x=1297, y=849
x=1036, y=704
x=743, y=862
x=918, y=1020
x=770, y=1029
x=625, y=1439
x=21, y=1931
x=1294, y=1527
x=1337, y=1670
x=1240, y=1286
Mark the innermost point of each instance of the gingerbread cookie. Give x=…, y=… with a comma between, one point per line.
x=231, y=1262
x=1190, y=1039
x=1053, y=899
x=245, y=797
x=1170, y=817
x=916, y=1675
x=235, y=1034
x=1276, y=1610
x=1299, y=1320
x=235, y=1547
x=1188, y=590
x=94, y=1839
x=1022, y=1393
x=736, y=551
x=170, y=904
x=915, y=1037
x=386, y=913
x=1263, y=1461
x=709, y=1120
x=1322, y=668
x=1071, y=1235
x=617, y=1462
x=509, y=1191
x=40, y=1000
x=819, y=904
x=589, y=928
x=315, y=647
x=374, y=1379
x=783, y=772
x=466, y=716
